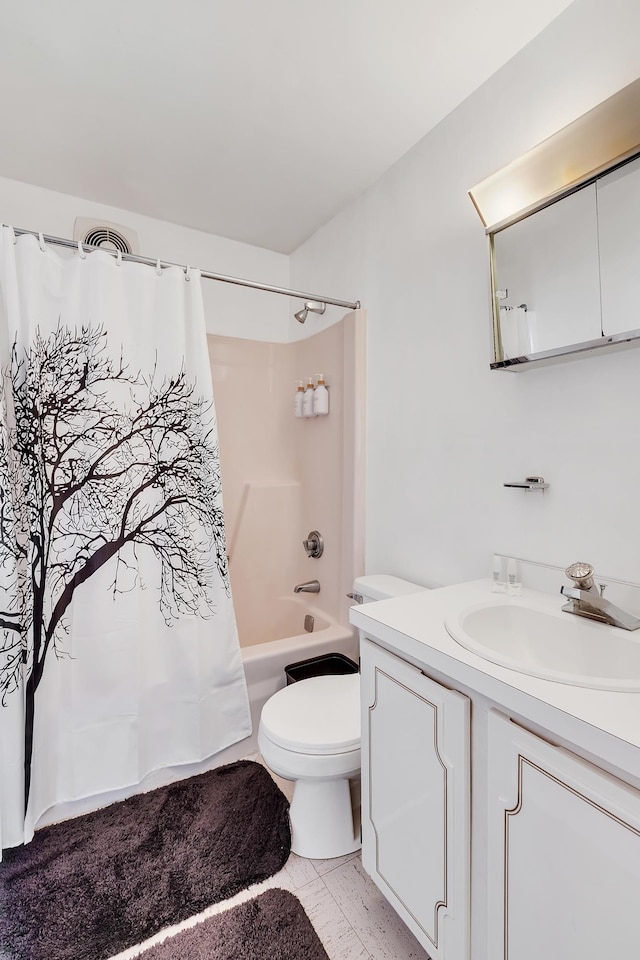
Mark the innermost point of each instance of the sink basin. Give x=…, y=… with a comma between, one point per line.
x=552, y=645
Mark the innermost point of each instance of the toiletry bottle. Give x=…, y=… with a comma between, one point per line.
x=514, y=586
x=307, y=403
x=298, y=400
x=499, y=583
x=321, y=397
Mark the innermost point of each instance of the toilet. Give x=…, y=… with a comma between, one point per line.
x=310, y=733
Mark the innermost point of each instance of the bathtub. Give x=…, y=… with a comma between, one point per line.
x=284, y=641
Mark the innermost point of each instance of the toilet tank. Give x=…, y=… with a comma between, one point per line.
x=381, y=586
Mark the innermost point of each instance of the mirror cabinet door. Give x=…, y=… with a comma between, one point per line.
x=548, y=265
x=618, y=196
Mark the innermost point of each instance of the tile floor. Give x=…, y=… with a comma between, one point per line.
x=350, y=915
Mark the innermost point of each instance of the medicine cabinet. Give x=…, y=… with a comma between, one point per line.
x=565, y=277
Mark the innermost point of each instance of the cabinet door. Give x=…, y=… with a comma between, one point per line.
x=415, y=799
x=549, y=261
x=619, y=243
x=563, y=854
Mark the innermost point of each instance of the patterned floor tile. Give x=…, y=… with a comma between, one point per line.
x=336, y=933
x=376, y=923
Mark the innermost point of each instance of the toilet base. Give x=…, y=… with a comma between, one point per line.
x=322, y=819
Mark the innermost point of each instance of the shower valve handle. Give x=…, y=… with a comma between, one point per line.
x=314, y=545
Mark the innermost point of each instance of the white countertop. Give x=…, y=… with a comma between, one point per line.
x=603, y=723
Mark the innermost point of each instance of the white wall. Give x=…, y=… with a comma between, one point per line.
x=230, y=310
x=445, y=432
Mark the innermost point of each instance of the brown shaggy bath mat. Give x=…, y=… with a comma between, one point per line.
x=90, y=887
x=272, y=926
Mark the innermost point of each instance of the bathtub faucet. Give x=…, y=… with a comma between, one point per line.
x=311, y=586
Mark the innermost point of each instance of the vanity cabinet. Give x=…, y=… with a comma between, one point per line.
x=543, y=861
x=416, y=799
x=563, y=854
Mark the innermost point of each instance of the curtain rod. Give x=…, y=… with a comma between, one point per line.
x=298, y=294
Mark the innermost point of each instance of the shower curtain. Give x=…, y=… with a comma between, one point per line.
x=118, y=644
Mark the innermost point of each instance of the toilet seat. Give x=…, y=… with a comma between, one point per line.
x=318, y=716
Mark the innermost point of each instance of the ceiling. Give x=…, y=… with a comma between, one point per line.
x=256, y=120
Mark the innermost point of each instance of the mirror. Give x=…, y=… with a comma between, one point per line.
x=618, y=197
x=565, y=279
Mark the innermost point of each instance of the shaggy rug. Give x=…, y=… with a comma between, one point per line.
x=90, y=887
x=272, y=926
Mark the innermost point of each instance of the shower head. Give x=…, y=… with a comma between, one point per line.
x=310, y=306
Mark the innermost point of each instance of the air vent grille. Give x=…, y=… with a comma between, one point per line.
x=111, y=236
x=105, y=237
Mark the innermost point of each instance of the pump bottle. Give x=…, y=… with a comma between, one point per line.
x=307, y=403
x=321, y=397
x=298, y=400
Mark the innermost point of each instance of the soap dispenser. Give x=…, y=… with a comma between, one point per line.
x=298, y=400
x=321, y=397
x=307, y=403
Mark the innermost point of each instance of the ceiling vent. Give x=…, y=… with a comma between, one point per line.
x=112, y=236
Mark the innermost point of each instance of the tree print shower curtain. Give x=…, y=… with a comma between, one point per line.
x=119, y=652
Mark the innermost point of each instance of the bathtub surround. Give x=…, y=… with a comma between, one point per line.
x=118, y=652
x=90, y=887
x=271, y=925
x=284, y=476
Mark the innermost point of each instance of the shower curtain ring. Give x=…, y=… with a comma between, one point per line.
x=119, y=258
x=42, y=243
x=158, y=268
x=187, y=273
x=83, y=255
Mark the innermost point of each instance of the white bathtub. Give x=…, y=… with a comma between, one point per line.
x=285, y=641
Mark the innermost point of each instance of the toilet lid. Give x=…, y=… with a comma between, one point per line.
x=320, y=715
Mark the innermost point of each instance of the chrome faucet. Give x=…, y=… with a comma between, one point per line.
x=311, y=586
x=586, y=600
